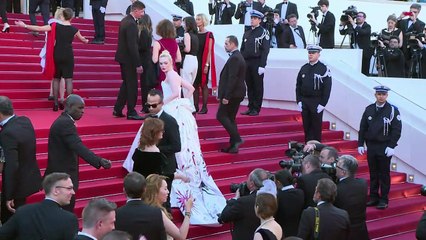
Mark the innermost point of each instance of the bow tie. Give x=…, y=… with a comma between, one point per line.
x=285, y=2
x=153, y=116
x=296, y=29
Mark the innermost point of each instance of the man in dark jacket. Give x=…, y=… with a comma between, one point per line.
x=223, y=11
x=98, y=14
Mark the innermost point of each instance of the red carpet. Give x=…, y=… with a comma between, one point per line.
x=97, y=79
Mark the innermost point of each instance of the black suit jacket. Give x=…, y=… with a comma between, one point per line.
x=97, y=4
x=82, y=237
x=240, y=14
x=290, y=207
x=307, y=183
x=360, y=36
x=241, y=213
x=334, y=223
x=137, y=218
x=232, y=76
x=64, y=148
x=21, y=174
x=170, y=143
x=291, y=9
x=416, y=27
x=43, y=220
x=127, y=47
x=326, y=31
x=288, y=36
x=227, y=13
x=352, y=197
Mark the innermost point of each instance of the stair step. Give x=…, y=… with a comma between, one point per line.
x=393, y=225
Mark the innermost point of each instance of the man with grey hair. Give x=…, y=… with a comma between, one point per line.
x=352, y=196
x=240, y=209
x=65, y=145
x=98, y=219
x=324, y=221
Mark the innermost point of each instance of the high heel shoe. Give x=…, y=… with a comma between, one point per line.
x=55, y=107
x=6, y=28
x=203, y=110
x=61, y=106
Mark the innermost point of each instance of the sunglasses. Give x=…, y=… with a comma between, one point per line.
x=155, y=105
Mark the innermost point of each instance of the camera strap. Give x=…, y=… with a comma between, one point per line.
x=317, y=222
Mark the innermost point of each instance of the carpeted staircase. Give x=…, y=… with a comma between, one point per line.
x=97, y=78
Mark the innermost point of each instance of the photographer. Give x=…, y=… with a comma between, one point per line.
x=286, y=8
x=352, y=196
x=391, y=30
x=359, y=31
x=223, y=11
x=311, y=173
x=393, y=58
x=240, y=209
x=293, y=34
x=326, y=26
x=185, y=5
x=277, y=31
x=243, y=12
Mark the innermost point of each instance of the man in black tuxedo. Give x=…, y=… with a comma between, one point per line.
x=311, y=173
x=232, y=91
x=326, y=26
x=45, y=219
x=223, y=11
x=411, y=24
x=98, y=14
x=352, y=196
x=98, y=219
x=293, y=35
x=240, y=209
x=290, y=203
x=286, y=8
x=65, y=145
x=136, y=217
x=360, y=32
x=170, y=143
x=128, y=56
x=333, y=222
x=20, y=172
x=243, y=12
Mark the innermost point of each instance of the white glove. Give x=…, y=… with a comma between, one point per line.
x=179, y=40
x=102, y=9
x=261, y=70
x=389, y=152
x=361, y=150
x=299, y=106
x=320, y=108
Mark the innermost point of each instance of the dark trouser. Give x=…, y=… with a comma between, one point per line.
x=254, y=83
x=366, y=57
x=379, y=165
x=145, y=88
x=99, y=24
x=77, y=7
x=3, y=11
x=5, y=213
x=312, y=121
x=226, y=116
x=44, y=8
x=15, y=4
x=68, y=4
x=128, y=90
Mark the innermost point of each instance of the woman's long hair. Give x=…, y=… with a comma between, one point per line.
x=145, y=23
x=150, y=196
x=149, y=132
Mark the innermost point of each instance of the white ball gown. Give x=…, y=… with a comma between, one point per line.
x=208, y=200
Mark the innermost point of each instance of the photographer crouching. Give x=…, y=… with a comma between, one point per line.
x=390, y=58
x=240, y=209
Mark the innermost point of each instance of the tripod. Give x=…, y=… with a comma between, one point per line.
x=313, y=30
x=415, y=69
x=379, y=62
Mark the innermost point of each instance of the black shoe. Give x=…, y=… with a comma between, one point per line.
x=234, y=148
x=55, y=107
x=203, y=111
x=382, y=206
x=246, y=112
x=61, y=106
x=135, y=117
x=253, y=113
x=372, y=203
x=118, y=114
x=50, y=98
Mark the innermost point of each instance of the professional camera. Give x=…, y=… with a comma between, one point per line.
x=315, y=11
x=412, y=39
x=377, y=37
x=244, y=5
x=241, y=187
x=351, y=11
x=330, y=170
x=296, y=153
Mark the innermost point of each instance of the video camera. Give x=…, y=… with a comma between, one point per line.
x=412, y=39
x=315, y=11
x=351, y=11
x=330, y=170
x=296, y=153
x=379, y=36
x=243, y=6
x=241, y=187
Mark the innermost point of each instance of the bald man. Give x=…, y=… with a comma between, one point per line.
x=65, y=145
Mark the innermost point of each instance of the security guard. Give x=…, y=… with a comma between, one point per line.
x=180, y=32
x=313, y=89
x=380, y=130
x=255, y=50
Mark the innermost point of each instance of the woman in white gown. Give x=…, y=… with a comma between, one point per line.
x=208, y=200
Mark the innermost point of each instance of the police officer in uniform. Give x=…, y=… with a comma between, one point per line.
x=180, y=32
x=255, y=50
x=313, y=89
x=380, y=130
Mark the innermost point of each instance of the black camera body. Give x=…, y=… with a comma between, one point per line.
x=241, y=187
x=351, y=11
x=412, y=39
x=330, y=170
x=243, y=6
x=296, y=153
x=381, y=37
x=315, y=11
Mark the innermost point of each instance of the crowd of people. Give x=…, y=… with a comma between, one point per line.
x=165, y=162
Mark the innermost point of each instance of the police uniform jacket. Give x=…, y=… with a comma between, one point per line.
x=382, y=125
x=256, y=45
x=314, y=81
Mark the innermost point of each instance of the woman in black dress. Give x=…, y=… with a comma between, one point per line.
x=62, y=53
x=391, y=30
x=265, y=208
